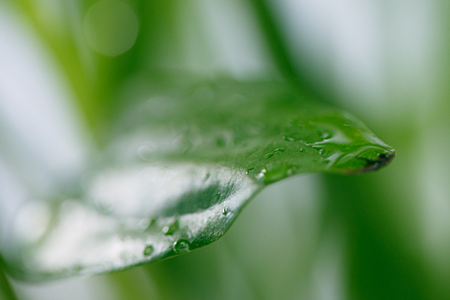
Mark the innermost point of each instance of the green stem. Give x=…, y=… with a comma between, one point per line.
x=379, y=265
x=274, y=40
x=300, y=77
x=6, y=290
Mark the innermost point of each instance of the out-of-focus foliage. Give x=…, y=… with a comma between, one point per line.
x=376, y=236
x=6, y=292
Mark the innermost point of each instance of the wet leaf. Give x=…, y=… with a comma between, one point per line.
x=182, y=159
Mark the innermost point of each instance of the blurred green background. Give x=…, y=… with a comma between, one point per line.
x=384, y=235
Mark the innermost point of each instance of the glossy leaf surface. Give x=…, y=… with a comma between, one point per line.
x=179, y=164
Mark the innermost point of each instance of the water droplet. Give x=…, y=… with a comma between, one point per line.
x=224, y=211
x=334, y=158
x=289, y=139
x=302, y=150
x=268, y=155
x=165, y=229
x=181, y=246
x=206, y=177
x=148, y=250
x=145, y=223
x=146, y=153
x=326, y=135
x=111, y=27
x=279, y=150
x=250, y=171
x=261, y=174
x=170, y=229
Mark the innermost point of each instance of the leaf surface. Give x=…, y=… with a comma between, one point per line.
x=181, y=161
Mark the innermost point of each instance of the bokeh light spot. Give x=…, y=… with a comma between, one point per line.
x=111, y=27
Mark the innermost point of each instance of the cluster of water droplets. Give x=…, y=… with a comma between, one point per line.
x=323, y=145
x=171, y=231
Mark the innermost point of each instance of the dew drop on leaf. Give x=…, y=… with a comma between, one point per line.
x=145, y=223
x=181, y=246
x=326, y=135
x=170, y=229
x=290, y=171
x=207, y=175
x=261, y=174
x=289, y=139
x=268, y=155
x=146, y=153
x=148, y=250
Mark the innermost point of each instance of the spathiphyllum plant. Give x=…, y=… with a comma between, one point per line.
x=173, y=155
x=180, y=167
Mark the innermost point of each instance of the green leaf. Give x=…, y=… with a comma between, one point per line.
x=6, y=291
x=183, y=159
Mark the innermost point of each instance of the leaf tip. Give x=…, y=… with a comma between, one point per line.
x=382, y=160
